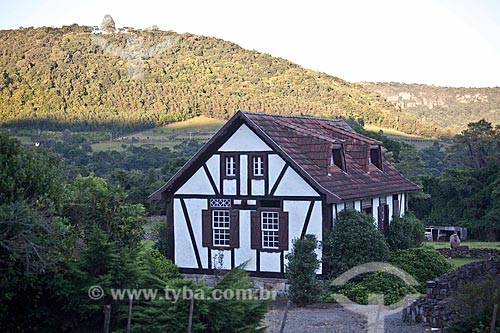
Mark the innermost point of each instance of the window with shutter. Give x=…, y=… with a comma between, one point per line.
x=220, y=228
x=269, y=228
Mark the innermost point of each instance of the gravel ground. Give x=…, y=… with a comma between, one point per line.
x=334, y=318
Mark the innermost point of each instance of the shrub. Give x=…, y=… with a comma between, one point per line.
x=209, y=315
x=405, y=233
x=474, y=305
x=359, y=290
x=353, y=241
x=423, y=263
x=301, y=271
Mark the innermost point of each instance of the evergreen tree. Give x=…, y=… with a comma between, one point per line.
x=301, y=271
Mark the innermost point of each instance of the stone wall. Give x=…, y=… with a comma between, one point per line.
x=465, y=252
x=434, y=307
x=279, y=286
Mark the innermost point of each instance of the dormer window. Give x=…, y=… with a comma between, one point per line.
x=376, y=156
x=338, y=158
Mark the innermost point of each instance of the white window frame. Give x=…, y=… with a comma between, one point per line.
x=270, y=229
x=230, y=164
x=221, y=221
x=258, y=165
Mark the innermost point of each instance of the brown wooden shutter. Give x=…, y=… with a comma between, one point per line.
x=234, y=229
x=395, y=208
x=386, y=217
x=283, y=231
x=380, y=215
x=206, y=228
x=256, y=232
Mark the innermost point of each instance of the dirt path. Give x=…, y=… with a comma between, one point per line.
x=323, y=318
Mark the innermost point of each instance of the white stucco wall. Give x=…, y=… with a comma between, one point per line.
x=194, y=208
x=391, y=207
x=297, y=211
x=276, y=164
x=184, y=253
x=292, y=184
x=226, y=262
x=357, y=205
x=258, y=186
x=244, y=174
x=375, y=205
x=244, y=252
x=229, y=187
x=244, y=139
x=213, y=165
x=197, y=184
x=270, y=262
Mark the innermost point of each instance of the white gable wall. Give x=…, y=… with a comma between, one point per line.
x=276, y=164
x=292, y=184
x=213, y=165
x=244, y=139
x=197, y=184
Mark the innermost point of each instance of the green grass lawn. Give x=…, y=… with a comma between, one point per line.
x=472, y=244
x=457, y=262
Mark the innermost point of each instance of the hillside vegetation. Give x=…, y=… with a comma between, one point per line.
x=58, y=78
x=447, y=107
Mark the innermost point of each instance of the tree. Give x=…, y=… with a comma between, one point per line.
x=353, y=241
x=476, y=146
x=108, y=24
x=301, y=271
x=405, y=233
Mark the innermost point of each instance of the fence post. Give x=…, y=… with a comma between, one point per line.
x=494, y=318
x=107, y=317
x=191, y=310
x=129, y=320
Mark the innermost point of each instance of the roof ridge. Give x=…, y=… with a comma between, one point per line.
x=292, y=116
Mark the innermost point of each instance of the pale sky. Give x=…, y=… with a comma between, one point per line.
x=440, y=42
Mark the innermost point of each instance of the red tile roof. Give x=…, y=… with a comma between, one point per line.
x=308, y=142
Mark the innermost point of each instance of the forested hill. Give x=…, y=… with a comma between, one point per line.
x=447, y=107
x=55, y=78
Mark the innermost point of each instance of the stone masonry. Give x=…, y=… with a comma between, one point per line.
x=434, y=307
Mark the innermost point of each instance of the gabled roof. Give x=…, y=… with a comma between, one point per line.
x=306, y=144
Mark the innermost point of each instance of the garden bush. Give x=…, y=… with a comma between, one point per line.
x=353, y=240
x=405, y=233
x=359, y=290
x=423, y=263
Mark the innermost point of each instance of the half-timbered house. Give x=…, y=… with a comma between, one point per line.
x=264, y=180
